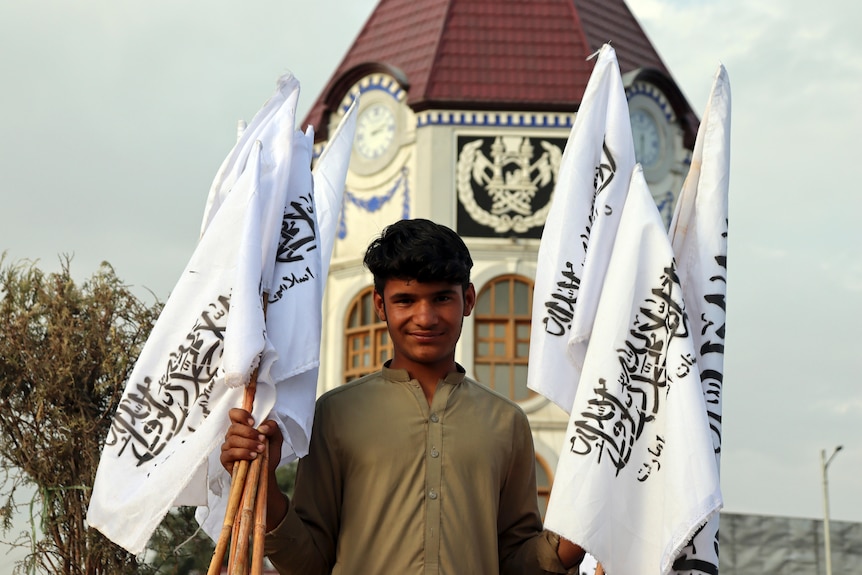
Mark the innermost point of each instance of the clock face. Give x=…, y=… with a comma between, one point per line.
x=647, y=138
x=375, y=131
x=652, y=118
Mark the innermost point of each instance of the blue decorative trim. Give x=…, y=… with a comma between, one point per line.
x=375, y=203
x=654, y=94
x=380, y=82
x=665, y=208
x=503, y=119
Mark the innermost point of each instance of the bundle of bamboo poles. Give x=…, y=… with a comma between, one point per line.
x=245, y=519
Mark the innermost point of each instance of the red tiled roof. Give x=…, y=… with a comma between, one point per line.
x=611, y=21
x=508, y=53
x=490, y=54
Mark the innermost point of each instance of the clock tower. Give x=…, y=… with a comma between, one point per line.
x=465, y=109
x=661, y=143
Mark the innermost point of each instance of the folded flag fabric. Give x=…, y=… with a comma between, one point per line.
x=329, y=175
x=698, y=234
x=637, y=475
x=294, y=320
x=260, y=229
x=173, y=411
x=579, y=233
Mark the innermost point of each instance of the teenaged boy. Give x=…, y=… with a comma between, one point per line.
x=415, y=469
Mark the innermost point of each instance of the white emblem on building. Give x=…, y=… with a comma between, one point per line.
x=510, y=178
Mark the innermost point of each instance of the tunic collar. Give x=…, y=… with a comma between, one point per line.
x=452, y=378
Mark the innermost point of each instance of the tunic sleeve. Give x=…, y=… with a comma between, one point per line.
x=524, y=548
x=305, y=541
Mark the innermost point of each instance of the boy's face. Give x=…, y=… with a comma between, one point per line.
x=424, y=320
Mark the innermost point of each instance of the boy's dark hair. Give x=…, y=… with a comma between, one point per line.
x=419, y=250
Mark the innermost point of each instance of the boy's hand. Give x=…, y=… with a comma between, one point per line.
x=569, y=553
x=243, y=441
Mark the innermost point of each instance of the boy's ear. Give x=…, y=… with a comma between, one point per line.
x=379, y=306
x=469, y=299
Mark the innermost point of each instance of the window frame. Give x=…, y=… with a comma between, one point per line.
x=510, y=340
x=362, y=324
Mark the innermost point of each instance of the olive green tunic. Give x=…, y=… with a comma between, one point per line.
x=392, y=485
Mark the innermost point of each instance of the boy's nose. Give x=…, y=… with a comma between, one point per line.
x=425, y=314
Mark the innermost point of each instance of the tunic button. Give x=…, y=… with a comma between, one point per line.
x=435, y=453
x=434, y=418
x=432, y=494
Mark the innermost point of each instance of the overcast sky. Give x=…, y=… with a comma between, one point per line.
x=114, y=117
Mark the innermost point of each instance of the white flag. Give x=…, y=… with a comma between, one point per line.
x=294, y=316
x=637, y=475
x=699, y=238
x=579, y=233
x=295, y=322
x=173, y=411
x=294, y=313
x=273, y=125
x=171, y=420
x=329, y=176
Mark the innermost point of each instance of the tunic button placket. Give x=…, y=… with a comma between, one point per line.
x=434, y=478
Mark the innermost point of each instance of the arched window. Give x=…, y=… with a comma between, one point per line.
x=366, y=340
x=502, y=338
x=544, y=480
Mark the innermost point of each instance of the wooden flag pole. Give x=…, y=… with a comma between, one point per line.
x=238, y=479
x=238, y=556
x=234, y=535
x=237, y=483
x=260, y=514
x=238, y=562
x=230, y=530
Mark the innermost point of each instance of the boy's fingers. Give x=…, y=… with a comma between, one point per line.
x=240, y=416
